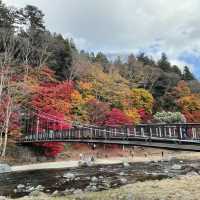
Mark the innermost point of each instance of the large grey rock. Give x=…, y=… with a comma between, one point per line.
x=106, y=184
x=78, y=191
x=121, y=173
x=3, y=198
x=56, y=194
x=37, y=193
x=123, y=180
x=93, y=188
x=126, y=164
x=30, y=189
x=4, y=168
x=34, y=193
x=85, y=163
x=39, y=188
x=176, y=167
x=94, y=179
x=20, y=186
x=192, y=173
x=69, y=176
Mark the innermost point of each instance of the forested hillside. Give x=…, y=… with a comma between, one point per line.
x=44, y=70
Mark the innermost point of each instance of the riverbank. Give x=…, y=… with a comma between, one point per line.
x=180, y=188
x=109, y=161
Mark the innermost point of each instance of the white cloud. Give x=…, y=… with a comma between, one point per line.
x=80, y=42
x=182, y=64
x=125, y=25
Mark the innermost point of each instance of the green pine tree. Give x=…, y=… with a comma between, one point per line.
x=187, y=75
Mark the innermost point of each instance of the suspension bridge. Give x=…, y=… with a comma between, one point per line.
x=41, y=127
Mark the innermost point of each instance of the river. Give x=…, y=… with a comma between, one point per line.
x=95, y=178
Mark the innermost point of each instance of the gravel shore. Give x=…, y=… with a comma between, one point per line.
x=106, y=161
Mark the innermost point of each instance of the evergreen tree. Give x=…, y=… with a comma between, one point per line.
x=145, y=59
x=61, y=58
x=187, y=75
x=176, y=70
x=5, y=18
x=103, y=60
x=164, y=64
x=32, y=17
x=131, y=64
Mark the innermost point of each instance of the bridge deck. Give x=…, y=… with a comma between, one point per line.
x=174, y=136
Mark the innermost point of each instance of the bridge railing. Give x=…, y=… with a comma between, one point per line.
x=177, y=132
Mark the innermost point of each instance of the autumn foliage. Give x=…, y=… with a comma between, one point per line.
x=97, y=112
x=54, y=101
x=117, y=118
x=99, y=99
x=192, y=117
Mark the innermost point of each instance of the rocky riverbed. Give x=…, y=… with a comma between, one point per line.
x=81, y=180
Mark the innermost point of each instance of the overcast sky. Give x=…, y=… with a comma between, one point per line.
x=122, y=26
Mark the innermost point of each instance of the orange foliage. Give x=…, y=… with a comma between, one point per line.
x=133, y=115
x=54, y=98
x=192, y=117
x=85, y=85
x=189, y=103
x=181, y=90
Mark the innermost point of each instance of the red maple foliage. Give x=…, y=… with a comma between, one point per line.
x=116, y=118
x=145, y=116
x=51, y=123
x=53, y=97
x=192, y=117
x=52, y=103
x=97, y=111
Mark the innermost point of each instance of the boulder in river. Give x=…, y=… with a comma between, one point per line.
x=121, y=173
x=94, y=179
x=123, y=180
x=3, y=198
x=30, y=189
x=78, y=191
x=126, y=164
x=93, y=188
x=20, y=186
x=55, y=194
x=176, y=167
x=192, y=173
x=39, y=188
x=69, y=176
x=37, y=193
x=4, y=168
x=85, y=163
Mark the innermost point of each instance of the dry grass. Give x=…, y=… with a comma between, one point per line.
x=183, y=188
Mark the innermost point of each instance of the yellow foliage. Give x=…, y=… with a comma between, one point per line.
x=181, y=90
x=31, y=84
x=140, y=99
x=62, y=106
x=108, y=87
x=76, y=98
x=88, y=98
x=85, y=85
x=190, y=103
x=134, y=115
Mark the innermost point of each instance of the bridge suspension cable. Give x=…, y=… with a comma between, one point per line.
x=54, y=118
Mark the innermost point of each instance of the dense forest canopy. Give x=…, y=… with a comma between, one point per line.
x=44, y=70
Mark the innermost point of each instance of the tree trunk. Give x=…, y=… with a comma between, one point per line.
x=7, y=120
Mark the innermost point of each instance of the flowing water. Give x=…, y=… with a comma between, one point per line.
x=99, y=177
